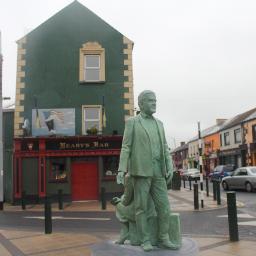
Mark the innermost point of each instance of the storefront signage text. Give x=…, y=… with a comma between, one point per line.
x=78, y=146
x=83, y=145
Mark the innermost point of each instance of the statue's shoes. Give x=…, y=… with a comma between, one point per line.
x=147, y=246
x=119, y=241
x=166, y=244
x=135, y=243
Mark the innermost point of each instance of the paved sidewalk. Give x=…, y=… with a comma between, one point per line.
x=23, y=242
x=180, y=200
x=183, y=200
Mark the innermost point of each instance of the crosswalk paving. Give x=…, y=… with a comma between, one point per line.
x=243, y=216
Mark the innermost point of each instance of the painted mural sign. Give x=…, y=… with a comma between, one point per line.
x=59, y=121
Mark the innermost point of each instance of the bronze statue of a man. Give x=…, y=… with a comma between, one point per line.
x=145, y=154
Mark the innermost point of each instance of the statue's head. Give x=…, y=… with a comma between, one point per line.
x=147, y=102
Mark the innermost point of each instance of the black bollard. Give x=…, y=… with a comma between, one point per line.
x=23, y=200
x=103, y=199
x=189, y=184
x=184, y=182
x=214, y=190
x=207, y=186
x=218, y=193
x=47, y=216
x=60, y=199
x=232, y=217
x=196, y=200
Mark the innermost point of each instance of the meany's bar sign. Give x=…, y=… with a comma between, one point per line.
x=90, y=145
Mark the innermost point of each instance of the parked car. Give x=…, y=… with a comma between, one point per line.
x=191, y=174
x=242, y=178
x=221, y=171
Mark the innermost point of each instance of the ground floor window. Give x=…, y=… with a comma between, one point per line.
x=58, y=170
x=110, y=165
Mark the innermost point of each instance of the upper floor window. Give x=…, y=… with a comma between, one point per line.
x=254, y=132
x=92, y=68
x=92, y=63
x=226, y=138
x=237, y=135
x=221, y=139
x=91, y=120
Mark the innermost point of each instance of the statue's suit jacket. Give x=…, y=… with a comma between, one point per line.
x=136, y=152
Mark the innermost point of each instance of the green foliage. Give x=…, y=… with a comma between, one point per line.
x=92, y=131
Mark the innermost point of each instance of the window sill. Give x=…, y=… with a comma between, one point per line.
x=58, y=181
x=91, y=82
x=109, y=178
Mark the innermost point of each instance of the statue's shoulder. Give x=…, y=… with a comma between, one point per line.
x=158, y=121
x=132, y=119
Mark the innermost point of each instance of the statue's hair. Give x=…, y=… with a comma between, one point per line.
x=142, y=96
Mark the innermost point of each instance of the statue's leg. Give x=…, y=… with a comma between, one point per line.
x=141, y=192
x=124, y=233
x=160, y=197
x=133, y=234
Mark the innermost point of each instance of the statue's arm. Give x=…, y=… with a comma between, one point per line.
x=128, y=193
x=168, y=159
x=126, y=149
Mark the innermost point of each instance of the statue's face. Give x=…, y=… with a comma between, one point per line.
x=149, y=104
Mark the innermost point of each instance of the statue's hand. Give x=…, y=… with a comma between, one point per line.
x=115, y=200
x=120, y=177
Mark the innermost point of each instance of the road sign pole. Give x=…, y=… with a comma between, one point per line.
x=201, y=166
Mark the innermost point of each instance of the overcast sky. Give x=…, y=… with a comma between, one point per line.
x=199, y=56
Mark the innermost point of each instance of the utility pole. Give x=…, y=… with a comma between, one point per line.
x=200, y=166
x=1, y=133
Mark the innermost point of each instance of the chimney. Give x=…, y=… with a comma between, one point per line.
x=220, y=121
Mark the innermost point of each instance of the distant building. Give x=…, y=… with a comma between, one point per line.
x=231, y=135
x=180, y=156
x=212, y=145
x=248, y=147
x=74, y=92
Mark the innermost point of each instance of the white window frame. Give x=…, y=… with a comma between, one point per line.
x=237, y=131
x=91, y=48
x=226, y=138
x=91, y=68
x=84, y=107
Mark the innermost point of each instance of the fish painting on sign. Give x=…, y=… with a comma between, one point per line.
x=53, y=122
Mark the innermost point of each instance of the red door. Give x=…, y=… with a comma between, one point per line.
x=84, y=181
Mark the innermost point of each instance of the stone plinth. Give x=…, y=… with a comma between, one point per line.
x=109, y=248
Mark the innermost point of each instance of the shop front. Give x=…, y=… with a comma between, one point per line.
x=232, y=156
x=248, y=154
x=79, y=165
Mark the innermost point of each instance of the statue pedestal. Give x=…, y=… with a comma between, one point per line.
x=109, y=248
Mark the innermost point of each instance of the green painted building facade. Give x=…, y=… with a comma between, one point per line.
x=74, y=92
